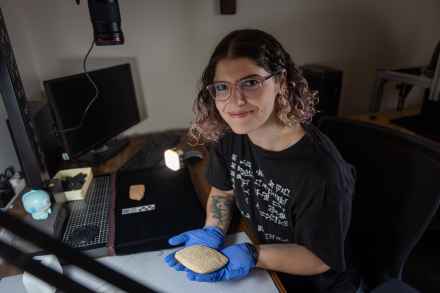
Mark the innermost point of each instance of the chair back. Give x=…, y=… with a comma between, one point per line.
x=397, y=193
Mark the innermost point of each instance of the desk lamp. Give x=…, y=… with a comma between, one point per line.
x=175, y=157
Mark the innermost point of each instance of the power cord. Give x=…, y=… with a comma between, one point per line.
x=94, y=98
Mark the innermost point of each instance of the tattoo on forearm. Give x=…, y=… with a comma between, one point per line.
x=221, y=210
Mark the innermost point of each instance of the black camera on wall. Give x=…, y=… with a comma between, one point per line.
x=106, y=20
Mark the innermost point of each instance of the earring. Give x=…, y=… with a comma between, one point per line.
x=283, y=94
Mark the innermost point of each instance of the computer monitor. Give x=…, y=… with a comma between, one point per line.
x=114, y=111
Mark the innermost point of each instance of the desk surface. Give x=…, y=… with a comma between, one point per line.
x=150, y=269
x=384, y=118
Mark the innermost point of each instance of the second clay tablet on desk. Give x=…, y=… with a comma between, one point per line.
x=136, y=192
x=201, y=259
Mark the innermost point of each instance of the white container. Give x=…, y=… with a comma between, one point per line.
x=76, y=194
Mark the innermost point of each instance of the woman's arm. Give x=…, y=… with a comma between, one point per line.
x=290, y=258
x=219, y=208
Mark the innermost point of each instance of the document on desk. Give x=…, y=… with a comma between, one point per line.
x=150, y=269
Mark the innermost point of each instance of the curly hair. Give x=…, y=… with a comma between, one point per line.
x=295, y=105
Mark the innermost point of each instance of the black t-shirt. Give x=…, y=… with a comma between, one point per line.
x=302, y=195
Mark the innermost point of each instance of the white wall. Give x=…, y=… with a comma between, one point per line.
x=20, y=38
x=171, y=41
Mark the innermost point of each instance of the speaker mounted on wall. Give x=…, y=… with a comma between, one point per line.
x=328, y=82
x=228, y=6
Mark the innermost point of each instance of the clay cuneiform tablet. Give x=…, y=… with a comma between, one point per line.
x=201, y=259
x=137, y=192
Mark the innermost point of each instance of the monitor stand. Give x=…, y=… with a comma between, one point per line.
x=104, y=153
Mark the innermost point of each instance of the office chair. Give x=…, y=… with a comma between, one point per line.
x=396, y=197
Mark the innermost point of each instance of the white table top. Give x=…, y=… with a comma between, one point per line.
x=150, y=269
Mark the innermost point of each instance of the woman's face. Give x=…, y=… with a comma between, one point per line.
x=246, y=110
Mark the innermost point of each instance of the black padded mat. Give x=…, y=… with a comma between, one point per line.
x=170, y=206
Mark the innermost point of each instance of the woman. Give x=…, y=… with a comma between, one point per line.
x=285, y=176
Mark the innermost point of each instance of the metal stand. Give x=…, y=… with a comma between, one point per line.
x=433, y=84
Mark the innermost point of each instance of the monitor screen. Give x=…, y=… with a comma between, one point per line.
x=114, y=111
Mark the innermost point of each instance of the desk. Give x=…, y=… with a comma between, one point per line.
x=197, y=176
x=135, y=144
x=384, y=118
x=150, y=269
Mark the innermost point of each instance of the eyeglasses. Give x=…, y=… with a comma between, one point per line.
x=222, y=90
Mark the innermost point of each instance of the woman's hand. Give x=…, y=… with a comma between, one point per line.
x=242, y=260
x=210, y=236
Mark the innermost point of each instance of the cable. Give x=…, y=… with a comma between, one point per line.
x=94, y=98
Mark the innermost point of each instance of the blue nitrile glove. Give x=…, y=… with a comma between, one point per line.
x=209, y=236
x=173, y=263
x=242, y=259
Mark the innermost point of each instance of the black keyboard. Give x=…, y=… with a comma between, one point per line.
x=88, y=226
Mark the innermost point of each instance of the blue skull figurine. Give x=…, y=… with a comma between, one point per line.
x=37, y=203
